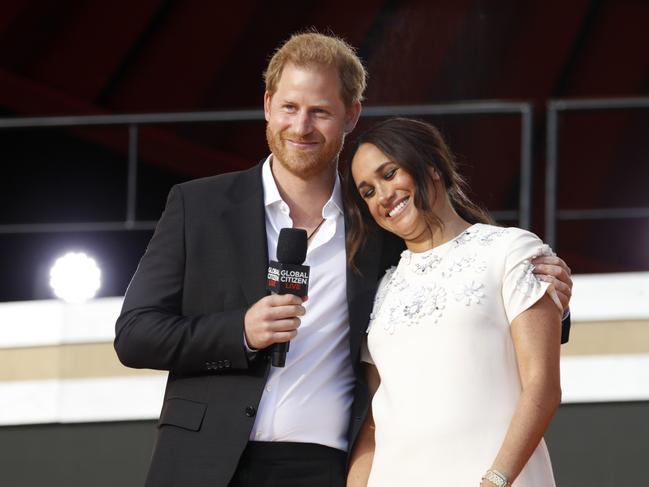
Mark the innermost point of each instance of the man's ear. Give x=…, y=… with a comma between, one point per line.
x=267, y=99
x=352, y=115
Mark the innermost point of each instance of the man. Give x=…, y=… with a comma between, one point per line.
x=197, y=305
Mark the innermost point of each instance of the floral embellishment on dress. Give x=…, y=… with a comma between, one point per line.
x=527, y=283
x=480, y=266
x=411, y=307
x=470, y=292
x=488, y=237
x=465, y=237
x=426, y=264
x=380, y=295
x=458, y=264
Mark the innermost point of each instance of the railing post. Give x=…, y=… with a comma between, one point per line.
x=131, y=182
x=551, y=174
x=527, y=168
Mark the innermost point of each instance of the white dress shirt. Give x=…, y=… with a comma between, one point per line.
x=309, y=400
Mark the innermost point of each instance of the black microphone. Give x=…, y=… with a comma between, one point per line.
x=287, y=275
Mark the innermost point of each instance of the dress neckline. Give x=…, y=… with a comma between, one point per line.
x=416, y=256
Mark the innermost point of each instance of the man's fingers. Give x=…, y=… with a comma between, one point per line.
x=283, y=336
x=289, y=311
x=552, y=260
x=289, y=324
x=273, y=319
x=552, y=270
x=564, y=292
x=283, y=299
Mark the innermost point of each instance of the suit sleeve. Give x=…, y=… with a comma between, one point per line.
x=151, y=331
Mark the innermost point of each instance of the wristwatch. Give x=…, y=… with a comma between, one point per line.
x=496, y=478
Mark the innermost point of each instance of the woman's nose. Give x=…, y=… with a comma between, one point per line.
x=385, y=194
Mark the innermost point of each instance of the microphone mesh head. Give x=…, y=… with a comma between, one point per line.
x=291, y=246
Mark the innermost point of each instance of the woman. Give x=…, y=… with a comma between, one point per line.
x=464, y=339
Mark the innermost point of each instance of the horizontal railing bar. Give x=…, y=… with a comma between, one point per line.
x=29, y=228
x=598, y=103
x=126, y=119
x=469, y=107
x=603, y=214
x=462, y=108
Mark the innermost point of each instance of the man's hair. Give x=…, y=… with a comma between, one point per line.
x=315, y=49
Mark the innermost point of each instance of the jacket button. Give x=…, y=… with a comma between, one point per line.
x=251, y=411
x=226, y=364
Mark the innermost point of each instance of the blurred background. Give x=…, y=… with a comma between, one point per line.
x=105, y=105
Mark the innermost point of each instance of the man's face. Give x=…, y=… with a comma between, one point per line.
x=307, y=119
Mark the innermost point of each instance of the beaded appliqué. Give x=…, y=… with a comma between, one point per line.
x=412, y=307
x=427, y=264
x=465, y=237
x=488, y=237
x=407, y=304
x=380, y=295
x=527, y=283
x=463, y=263
x=470, y=292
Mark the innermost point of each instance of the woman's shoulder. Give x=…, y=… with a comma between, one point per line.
x=487, y=234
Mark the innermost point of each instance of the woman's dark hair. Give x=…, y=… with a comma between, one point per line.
x=415, y=146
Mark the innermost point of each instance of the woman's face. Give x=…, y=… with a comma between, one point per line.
x=389, y=192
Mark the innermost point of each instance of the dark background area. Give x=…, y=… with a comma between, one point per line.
x=93, y=57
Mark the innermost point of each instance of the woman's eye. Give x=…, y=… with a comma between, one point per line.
x=390, y=174
x=368, y=193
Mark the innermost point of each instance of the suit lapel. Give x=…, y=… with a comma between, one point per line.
x=246, y=220
x=361, y=290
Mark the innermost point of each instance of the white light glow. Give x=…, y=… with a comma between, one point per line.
x=75, y=277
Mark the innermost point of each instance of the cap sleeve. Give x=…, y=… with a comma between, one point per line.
x=521, y=287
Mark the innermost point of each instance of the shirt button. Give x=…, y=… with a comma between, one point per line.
x=251, y=411
x=268, y=388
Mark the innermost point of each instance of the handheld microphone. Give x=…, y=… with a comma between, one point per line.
x=287, y=275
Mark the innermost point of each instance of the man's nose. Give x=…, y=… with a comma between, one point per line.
x=302, y=123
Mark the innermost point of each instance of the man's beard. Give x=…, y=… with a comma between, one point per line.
x=304, y=164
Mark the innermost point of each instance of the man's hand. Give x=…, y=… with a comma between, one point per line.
x=273, y=319
x=554, y=270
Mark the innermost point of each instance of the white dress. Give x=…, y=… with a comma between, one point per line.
x=440, y=338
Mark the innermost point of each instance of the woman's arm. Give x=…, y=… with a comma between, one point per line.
x=362, y=455
x=536, y=334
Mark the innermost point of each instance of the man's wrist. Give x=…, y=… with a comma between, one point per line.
x=249, y=350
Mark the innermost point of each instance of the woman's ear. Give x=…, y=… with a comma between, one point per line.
x=434, y=174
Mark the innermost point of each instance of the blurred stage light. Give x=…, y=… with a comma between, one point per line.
x=75, y=277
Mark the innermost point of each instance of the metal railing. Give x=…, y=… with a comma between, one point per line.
x=552, y=213
x=134, y=121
